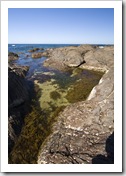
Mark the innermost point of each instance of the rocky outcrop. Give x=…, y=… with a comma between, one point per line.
x=35, y=49
x=18, y=102
x=19, y=70
x=99, y=59
x=67, y=56
x=82, y=129
x=12, y=56
x=40, y=54
x=84, y=56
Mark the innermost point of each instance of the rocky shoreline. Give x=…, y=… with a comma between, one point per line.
x=81, y=131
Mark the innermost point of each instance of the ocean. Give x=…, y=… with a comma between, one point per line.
x=25, y=47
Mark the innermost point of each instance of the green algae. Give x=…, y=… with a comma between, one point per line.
x=82, y=87
x=35, y=130
x=51, y=95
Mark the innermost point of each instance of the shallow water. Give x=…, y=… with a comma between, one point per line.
x=57, y=89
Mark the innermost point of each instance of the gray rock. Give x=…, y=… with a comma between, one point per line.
x=73, y=59
x=84, y=56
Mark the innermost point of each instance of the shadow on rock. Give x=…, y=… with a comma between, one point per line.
x=102, y=159
x=20, y=94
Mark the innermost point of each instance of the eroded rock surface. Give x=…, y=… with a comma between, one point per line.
x=81, y=130
x=67, y=56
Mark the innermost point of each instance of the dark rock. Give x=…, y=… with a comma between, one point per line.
x=12, y=56
x=42, y=49
x=33, y=50
x=109, y=159
x=18, y=103
x=19, y=70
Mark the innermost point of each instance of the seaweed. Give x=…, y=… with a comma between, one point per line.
x=81, y=89
x=55, y=95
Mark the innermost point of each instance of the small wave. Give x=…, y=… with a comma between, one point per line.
x=13, y=45
x=101, y=46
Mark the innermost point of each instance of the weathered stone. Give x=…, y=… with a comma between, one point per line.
x=85, y=56
x=73, y=59
x=101, y=58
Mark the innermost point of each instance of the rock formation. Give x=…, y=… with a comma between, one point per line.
x=35, y=49
x=81, y=130
x=40, y=54
x=12, y=56
x=18, y=102
x=67, y=56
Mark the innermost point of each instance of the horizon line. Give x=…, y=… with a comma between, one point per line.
x=66, y=43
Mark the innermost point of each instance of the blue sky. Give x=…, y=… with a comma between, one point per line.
x=61, y=26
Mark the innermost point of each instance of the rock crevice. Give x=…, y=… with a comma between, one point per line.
x=18, y=102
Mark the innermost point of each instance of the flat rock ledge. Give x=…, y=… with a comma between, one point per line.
x=83, y=129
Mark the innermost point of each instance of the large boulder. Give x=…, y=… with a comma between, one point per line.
x=73, y=59
x=99, y=58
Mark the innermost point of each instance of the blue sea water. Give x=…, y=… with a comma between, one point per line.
x=25, y=47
